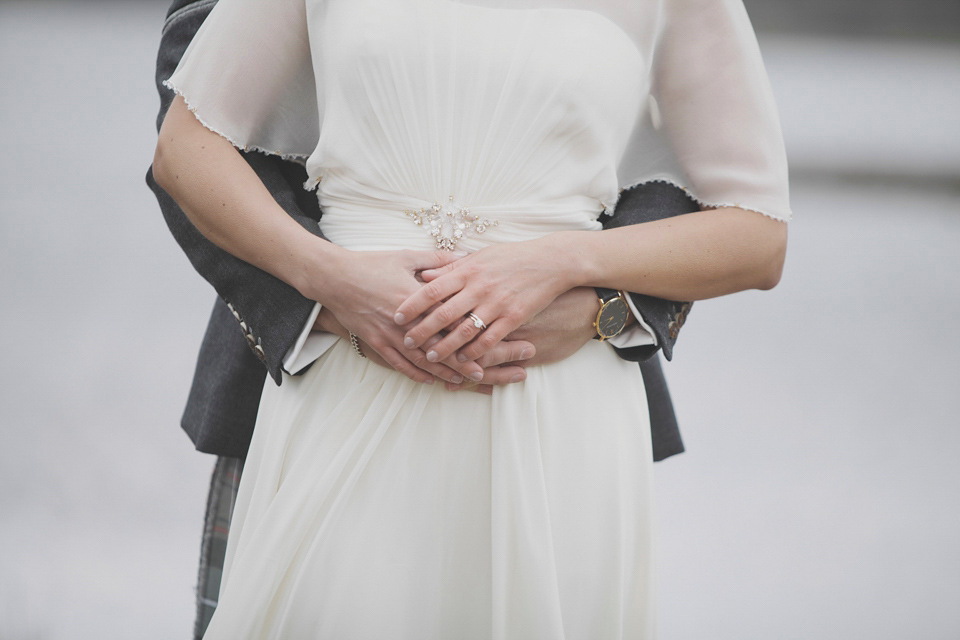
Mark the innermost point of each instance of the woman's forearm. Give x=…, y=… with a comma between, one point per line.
x=225, y=199
x=689, y=257
x=229, y=204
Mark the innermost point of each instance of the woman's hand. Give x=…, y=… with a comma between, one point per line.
x=363, y=289
x=504, y=364
x=557, y=332
x=688, y=257
x=505, y=285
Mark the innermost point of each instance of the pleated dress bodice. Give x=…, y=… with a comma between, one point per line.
x=499, y=112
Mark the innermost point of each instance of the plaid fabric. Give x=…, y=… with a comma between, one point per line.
x=216, y=526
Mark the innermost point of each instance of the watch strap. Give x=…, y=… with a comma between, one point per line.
x=606, y=295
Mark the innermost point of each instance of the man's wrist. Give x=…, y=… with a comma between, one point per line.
x=328, y=323
x=614, y=314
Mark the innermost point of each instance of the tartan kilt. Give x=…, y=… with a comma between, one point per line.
x=213, y=547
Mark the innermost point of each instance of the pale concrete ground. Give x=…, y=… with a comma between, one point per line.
x=819, y=496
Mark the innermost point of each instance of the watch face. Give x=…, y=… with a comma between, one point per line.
x=612, y=318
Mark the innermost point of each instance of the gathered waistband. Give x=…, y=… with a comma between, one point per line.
x=376, y=223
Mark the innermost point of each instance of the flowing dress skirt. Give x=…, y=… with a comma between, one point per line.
x=374, y=507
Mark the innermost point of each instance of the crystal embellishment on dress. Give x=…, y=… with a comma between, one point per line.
x=449, y=223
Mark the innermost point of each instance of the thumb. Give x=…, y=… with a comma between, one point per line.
x=421, y=260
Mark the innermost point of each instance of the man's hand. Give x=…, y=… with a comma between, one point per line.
x=557, y=332
x=367, y=288
x=563, y=327
x=554, y=334
x=495, y=369
x=504, y=284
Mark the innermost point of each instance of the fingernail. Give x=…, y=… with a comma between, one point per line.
x=409, y=343
x=517, y=378
x=400, y=319
x=456, y=379
x=432, y=356
x=460, y=254
x=526, y=354
x=461, y=357
x=430, y=381
x=476, y=376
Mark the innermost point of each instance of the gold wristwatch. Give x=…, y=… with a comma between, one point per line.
x=613, y=315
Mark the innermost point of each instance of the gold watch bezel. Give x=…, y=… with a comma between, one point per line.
x=604, y=305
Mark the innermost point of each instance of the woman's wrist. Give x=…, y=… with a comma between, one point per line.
x=314, y=267
x=575, y=264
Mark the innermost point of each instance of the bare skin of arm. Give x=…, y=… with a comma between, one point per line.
x=360, y=291
x=225, y=199
x=689, y=257
x=558, y=331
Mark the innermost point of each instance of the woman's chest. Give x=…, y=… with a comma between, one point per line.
x=469, y=63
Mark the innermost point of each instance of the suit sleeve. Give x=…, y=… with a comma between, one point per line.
x=270, y=313
x=644, y=203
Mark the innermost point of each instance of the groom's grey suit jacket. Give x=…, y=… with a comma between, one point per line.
x=257, y=317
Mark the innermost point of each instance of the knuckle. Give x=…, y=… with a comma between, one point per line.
x=496, y=377
x=433, y=291
x=417, y=358
x=447, y=374
x=445, y=315
x=496, y=357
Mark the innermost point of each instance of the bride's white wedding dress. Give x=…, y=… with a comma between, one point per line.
x=374, y=507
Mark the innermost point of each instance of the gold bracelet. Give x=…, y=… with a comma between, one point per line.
x=356, y=345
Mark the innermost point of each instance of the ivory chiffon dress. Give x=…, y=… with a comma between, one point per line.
x=373, y=507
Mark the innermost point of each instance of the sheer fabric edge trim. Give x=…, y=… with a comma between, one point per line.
x=610, y=210
x=294, y=157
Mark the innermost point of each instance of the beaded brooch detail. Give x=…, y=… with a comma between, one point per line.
x=449, y=223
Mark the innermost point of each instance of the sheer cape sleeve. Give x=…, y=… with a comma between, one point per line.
x=708, y=121
x=710, y=124
x=248, y=76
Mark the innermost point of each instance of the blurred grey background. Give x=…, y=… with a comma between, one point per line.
x=819, y=495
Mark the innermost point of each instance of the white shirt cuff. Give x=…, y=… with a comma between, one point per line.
x=636, y=335
x=309, y=346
